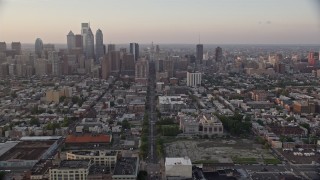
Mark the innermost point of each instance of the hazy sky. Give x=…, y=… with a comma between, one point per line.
x=164, y=21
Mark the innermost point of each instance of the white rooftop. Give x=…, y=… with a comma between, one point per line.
x=4, y=147
x=178, y=161
x=39, y=138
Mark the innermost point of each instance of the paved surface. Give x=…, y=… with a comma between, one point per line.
x=152, y=157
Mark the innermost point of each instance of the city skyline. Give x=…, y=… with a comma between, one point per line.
x=216, y=22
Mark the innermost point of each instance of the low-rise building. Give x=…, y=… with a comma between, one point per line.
x=210, y=125
x=127, y=168
x=71, y=169
x=98, y=157
x=171, y=103
x=189, y=124
x=178, y=168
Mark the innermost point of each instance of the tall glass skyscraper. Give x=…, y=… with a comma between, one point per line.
x=134, y=49
x=89, y=44
x=99, y=44
x=84, y=32
x=38, y=47
x=71, y=41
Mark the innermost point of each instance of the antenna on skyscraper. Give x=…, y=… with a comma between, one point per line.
x=199, y=38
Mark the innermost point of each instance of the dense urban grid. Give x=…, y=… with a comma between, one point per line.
x=89, y=111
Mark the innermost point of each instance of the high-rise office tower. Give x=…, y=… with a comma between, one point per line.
x=114, y=62
x=193, y=79
x=71, y=41
x=134, y=49
x=3, y=46
x=313, y=58
x=84, y=31
x=111, y=47
x=157, y=48
x=168, y=67
x=128, y=64
x=89, y=45
x=79, y=41
x=218, y=55
x=99, y=44
x=54, y=60
x=142, y=69
x=105, y=67
x=199, y=52
x=38, y=47
x=16, y=46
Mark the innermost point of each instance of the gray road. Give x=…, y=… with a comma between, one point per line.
x=152, y=157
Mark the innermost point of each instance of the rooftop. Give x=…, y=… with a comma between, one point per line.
x=171, y=100
x=178, y=161
x=88, y=138
x=41, y=167
x=126, y=166
x=27, y=150
x=74, y=164
x=95, y=153
x=39, y=138
x=4, y=147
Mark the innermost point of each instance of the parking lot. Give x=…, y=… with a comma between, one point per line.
x=240, y=151
x=301, y=158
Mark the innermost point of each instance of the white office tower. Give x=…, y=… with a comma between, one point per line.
x=84, y=32
x=71, y=41
x=193, y=79
x=54, y=60
x=99, y=44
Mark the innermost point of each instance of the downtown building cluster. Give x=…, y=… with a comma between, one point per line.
x=85, y=54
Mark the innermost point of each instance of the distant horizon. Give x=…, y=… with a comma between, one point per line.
x=164, y=21
x=279, y=44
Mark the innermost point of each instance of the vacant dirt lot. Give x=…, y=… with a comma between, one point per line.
x=219, y=150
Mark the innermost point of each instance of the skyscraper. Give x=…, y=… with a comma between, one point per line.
x=127, y=67
x=141, y=69
x=89, y=44
x=79, y=41
x=111, y=47
x=54, y=60
x=3, y=46
x=193, y=79
x=105, y=67
x=84, y=31
x=199, y=52
x=71, y=41
x=114, y=62
x=313, y=58
x=218, y=56
x=16, y=46
x=99, y=44
x=134, y=49
x=38, y=47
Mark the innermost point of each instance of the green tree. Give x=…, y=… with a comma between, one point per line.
x=2, y=175
x=66, y=122
x=75, y=99
x=34, y=121
x=306, y=125
x=62, y=98
x=142, y=175
x=125, y=124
